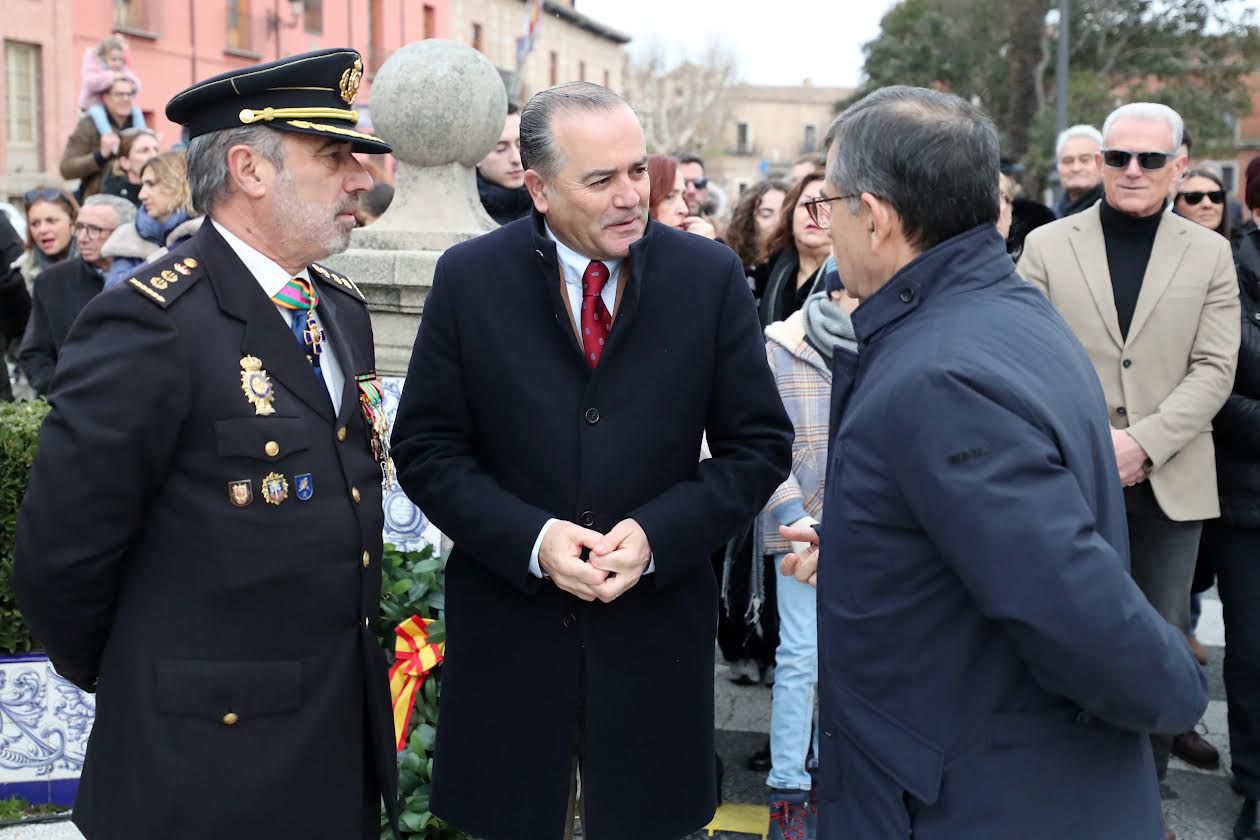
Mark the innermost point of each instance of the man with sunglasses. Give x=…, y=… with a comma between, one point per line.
x=1153, y=298
x=65, y=288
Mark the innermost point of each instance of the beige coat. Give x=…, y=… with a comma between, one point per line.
x=1165, y=382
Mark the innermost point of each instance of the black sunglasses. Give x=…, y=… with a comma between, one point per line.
x=1193, y=198
x=1119, y=159
x=698, y=183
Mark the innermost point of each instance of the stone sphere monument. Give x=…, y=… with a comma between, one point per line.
x=441, y=105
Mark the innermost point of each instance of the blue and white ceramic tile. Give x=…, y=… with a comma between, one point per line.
x=405, y=525
x=44, y=726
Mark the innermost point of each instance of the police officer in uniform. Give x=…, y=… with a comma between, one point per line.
x=200, y=544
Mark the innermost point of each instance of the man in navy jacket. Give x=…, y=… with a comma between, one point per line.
x=988, y=669
x=567, y=367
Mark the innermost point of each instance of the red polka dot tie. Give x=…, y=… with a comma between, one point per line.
x=596, y=319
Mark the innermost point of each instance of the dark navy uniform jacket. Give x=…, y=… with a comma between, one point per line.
x=241, y=692
x=988, y=667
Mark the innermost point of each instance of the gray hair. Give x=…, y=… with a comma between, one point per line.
x=538, y=148
x=1082, y=130
x=1149, y=112
x=931, y=155
x=208, y=178
x=125, y=210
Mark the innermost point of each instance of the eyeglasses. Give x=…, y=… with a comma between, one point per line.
x=1150, y=161
x=91, y=231
x=698, y=183
x=819, y=209
x=1193, y=198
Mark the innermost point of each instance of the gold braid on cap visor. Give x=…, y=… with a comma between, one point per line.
x=249, y=115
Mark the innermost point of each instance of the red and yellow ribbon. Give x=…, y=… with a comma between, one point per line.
x=414, y=657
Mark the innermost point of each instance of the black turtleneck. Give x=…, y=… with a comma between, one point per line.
x=1129, y=241
x=504, y=204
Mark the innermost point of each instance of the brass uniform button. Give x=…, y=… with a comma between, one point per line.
x=230, y=718
x=354, y=494
x=341, y=434
x=272, y=448
x=367, y=559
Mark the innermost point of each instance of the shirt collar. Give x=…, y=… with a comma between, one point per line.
x=575, y=264
x=266, y=271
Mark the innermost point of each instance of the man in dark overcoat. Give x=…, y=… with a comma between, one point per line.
x=66, y=287
x=986, y=660
x=201, y=541
x=564, y=374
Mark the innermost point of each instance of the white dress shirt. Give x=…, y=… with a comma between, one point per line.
x=573, y=267
x=273, y=278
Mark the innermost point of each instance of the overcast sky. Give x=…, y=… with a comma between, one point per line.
x=777, y=43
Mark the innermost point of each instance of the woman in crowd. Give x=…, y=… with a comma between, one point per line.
x=137, y=147
x=1232, y=543
x=165, y=218
x=799, y=248
x=800, y=351
x=753, y=222
x=50, y=215
x=665, y=202
x=1201, y=198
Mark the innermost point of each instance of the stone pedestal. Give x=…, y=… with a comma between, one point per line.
x=441, y=105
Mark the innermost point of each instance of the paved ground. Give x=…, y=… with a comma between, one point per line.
x=1204, y=807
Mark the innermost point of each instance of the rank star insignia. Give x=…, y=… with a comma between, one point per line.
x=241, y=493
x=256, y=385
x=275, y=488
x=350, y=82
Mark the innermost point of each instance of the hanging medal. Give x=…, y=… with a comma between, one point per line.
x=372, y=404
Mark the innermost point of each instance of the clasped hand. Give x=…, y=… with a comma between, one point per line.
x=617, y=559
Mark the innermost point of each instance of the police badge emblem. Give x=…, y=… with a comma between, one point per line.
x=275, y=488
x=256, y=385
x=350, y=82
x=303, y=487
x=241, y=493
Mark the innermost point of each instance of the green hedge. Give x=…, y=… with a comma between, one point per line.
x=19, y=439
x=413, y=585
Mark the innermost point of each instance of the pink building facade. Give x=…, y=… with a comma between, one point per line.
x=172, y=44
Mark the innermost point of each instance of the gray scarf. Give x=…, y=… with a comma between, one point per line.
x=827, y=325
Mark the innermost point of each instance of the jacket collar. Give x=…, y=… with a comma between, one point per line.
x=631, y=279
x=967, y=259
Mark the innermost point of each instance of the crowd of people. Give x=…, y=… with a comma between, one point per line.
x=860, y=364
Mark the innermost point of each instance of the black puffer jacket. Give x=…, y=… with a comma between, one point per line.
x=1237, y=426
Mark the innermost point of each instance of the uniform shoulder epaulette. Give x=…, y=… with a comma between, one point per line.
x=337, y=281
x=165, y=280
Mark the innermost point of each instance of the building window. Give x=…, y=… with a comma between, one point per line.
x=476, y=38
x=554, y=73
x=313, y=17
x=22, y=119
x=742, y=144
x=809, y=144
x=133, y=15
x=607, y=79
x=581, y=71
x=430, y=25
x=238, y=36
